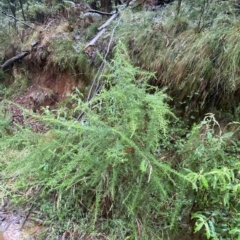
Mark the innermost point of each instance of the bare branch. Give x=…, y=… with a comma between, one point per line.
x=14, y=59
x=16, y=19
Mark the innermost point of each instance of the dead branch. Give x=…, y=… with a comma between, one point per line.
x=101, y=13
x=96, y=86
x=93, y=41
x=108, y=21
x=96, y=81
x=101, y=30
x=16, y=19
x=14, y=59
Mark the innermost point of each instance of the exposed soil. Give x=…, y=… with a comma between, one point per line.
x=13, y=226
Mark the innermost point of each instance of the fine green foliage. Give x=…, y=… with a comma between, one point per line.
x=104, y=169
x=67, y=56
x=64, y=56
x=39, y=12
x=213, y=169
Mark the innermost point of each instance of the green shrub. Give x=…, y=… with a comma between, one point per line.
x=212, y=165
x=103, y=172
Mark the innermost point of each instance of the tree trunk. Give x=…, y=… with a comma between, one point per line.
x=21, y=5
x=106, y=5
x=12, y=7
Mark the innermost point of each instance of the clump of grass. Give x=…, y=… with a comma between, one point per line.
x=194, y=54
x=64, y=56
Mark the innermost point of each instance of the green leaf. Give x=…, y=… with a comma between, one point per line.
x=208, y=232
x=198, y=215
x=227, y=135
x=204, y=182
x=226, y=199
x=211, y=226
x=198, y=225
x=143, y=167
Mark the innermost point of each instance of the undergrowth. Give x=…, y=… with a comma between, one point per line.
x=64, y=56
x=68, y=56
x=105, y=169
x=195, y=54
x=211, y=163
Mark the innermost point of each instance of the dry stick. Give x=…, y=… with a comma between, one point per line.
x=102, y=67
x=49, y=24
x=93, y=41
x=101, y=13
x=108, y=21
x=16, y=19
x=100, y=70
x=98, y=89
x=2, y=179
x=14, y=59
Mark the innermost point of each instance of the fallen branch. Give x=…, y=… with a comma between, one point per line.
x=101, y=30
x=14, y=59
x=16, y=19
x=101, y=13
x=96, y=86
x=108, y=21
x=93, y=41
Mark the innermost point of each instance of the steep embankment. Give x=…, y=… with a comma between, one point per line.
x=57, y=63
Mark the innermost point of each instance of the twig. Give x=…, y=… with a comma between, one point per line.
x=26, y=218
x=1, y=179
x=139, y=228
x=108, y=21
x=102, y=13
x=49, y=24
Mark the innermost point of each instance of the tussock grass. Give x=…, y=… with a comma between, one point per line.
x=63, y=55
x=195, y=55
